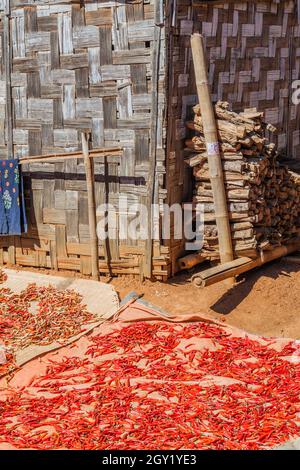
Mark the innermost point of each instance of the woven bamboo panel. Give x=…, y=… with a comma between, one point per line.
x=74, y=66
x=253, y=52
x=87, y=65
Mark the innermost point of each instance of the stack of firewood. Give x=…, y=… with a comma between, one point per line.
x=263, y=195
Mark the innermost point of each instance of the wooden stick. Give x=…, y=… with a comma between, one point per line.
x=92, y=206
x=7, y=57
x=189, y=261
x=101, y=153
x=213, y=151
x=156, y=50
x=242, y=265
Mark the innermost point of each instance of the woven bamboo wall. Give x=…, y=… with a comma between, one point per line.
x=87, y=65
x=80, y=65
x=254, y=55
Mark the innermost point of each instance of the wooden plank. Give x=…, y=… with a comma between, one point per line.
x=60, y=241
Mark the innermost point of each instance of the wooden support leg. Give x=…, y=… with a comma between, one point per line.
x=92, y=207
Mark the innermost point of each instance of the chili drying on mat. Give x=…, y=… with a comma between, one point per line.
x=57, y=316
x=156, y=385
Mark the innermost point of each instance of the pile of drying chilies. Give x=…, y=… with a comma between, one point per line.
x=149, y=385
x=57, y=316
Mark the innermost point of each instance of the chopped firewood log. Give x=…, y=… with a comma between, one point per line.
x=263, y=196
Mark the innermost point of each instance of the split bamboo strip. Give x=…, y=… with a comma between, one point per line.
x=147, y=269
x=262, y=194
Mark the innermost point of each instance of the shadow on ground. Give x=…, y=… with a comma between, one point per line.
x=245, y=283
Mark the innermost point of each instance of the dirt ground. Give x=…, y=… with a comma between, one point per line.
x=265, y=301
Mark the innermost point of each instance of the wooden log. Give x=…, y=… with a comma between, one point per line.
x=7, y=64
x=292, y=259
x=198, y=144
x=200, y=158
x=239, y=207
x=91, y=206
x=242, y=265
x=156, y=55
x=243, y=216
x=232, y=194
x=213, y=151
x=189, y=261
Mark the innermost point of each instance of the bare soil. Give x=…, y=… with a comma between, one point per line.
x=265, y=301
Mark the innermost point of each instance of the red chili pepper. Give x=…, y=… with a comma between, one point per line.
x=161, y=404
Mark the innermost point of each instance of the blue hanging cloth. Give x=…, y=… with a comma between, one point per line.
x=12, y=204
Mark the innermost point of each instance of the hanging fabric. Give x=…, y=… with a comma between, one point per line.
x=12, y=204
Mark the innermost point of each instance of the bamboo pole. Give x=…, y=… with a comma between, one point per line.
x=7, y=57
x=91, y=206
x=156, y=51
x=242, y=265
x=111, y=153
x=189, y=261
x=213, y=149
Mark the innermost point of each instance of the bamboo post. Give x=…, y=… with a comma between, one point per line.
x=7, y=57
x=213, y=149
x=156, y=51
x=91, y=206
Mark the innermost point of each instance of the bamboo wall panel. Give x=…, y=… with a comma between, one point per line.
x=81, y=66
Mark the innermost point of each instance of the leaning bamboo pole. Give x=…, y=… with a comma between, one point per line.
x=213, y=149
x=91, y=206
